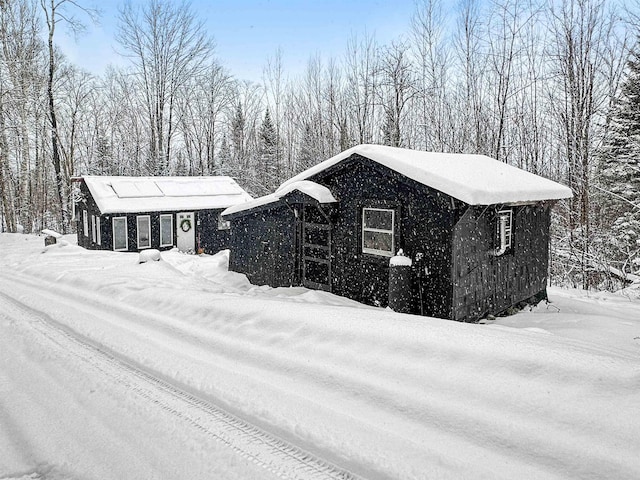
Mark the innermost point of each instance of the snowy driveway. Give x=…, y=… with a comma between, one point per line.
x=381, y=394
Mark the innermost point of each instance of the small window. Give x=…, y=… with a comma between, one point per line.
x=93, y=229
x=144, y=231
x=222, y=223
x=377, y=231
x=85, y=223
x=504, y=230
x=166, y=230
x=98, y=232
x=120, y=233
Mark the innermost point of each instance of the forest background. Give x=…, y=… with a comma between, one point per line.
x=550, y=86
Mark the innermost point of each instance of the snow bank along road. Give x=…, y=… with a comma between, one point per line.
x=110, y=369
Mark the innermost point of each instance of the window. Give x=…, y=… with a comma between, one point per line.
x=120, y=233
x=93, y=228
x=98, y=233
x=222, y=223
x=166, y=230
x=377, y=231
x=85, y=223
x=144, y=231
x=504, y=230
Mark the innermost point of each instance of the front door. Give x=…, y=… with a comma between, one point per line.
x=186, y=232
x=316, y=248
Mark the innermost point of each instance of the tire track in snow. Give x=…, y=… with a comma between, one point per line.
x=268, y=451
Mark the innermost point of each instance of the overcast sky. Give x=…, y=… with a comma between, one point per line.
x=247, y=33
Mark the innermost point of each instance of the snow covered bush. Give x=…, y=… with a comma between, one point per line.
x=149, y=255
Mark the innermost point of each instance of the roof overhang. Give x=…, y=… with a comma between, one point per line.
x=314, y=191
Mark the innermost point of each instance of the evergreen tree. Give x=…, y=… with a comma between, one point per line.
x=390, y=130
x=237, y=150
x=237, y=136
x=268, y=171
x=104, y=157
x=223, y=164
x=181, y=168
x=308, y=155
x=620, y=173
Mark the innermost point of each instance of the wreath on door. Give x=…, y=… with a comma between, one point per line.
x=185, y=225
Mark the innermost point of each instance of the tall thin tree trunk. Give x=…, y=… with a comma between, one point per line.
x=6, y=196
x=55, y=151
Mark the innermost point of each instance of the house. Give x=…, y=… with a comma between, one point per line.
x=134, y=213
x=476, y=229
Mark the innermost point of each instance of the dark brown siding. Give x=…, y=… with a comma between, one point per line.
x=210, y=239
x=487, y=284
x=263, y=246
x=91, y=208
x=424, y=219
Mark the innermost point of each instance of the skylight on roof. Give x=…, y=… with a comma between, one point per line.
x=136, y=189
x=194, y=187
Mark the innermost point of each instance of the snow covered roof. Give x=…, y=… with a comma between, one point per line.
x=474, y=179
x=319, y=192
x=151, y=194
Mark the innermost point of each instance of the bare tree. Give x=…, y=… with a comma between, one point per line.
x=530, y=133
x=506, y=24
x=338, y=113
x=397, y=88
x=76, y=88
x=204, y=104
x=6, y=190
x=123, y=125
x=311, y=105
x=581, y=33
x=274, y=85
x=472, y=126
x=432, y=110
x=56, y=11
x=244, y=134
x=167, y=46
x=19, y=44
x=361, y=63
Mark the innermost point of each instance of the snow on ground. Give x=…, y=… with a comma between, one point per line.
x=552, y=392
x=599, y=318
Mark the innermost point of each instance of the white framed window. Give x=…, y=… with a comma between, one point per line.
x=505, y=219
x=93, y=229
x=378, y=231
x=98, y=232
x=144, y=231
x=222, y=223
x=120, y=233
x=85, y=223
x=166, y=230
